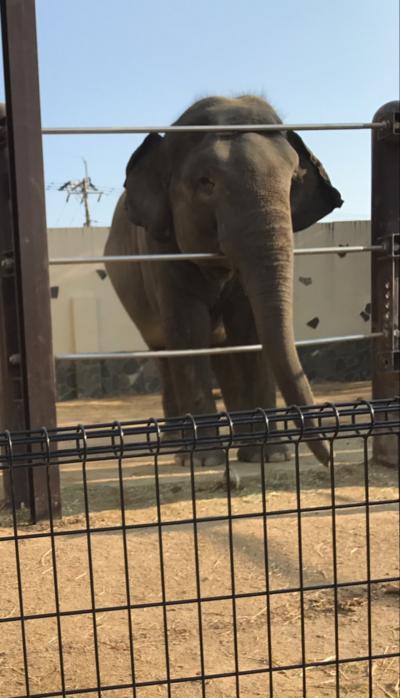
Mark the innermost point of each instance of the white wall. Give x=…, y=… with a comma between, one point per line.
x=87, y=315
x=341, y=286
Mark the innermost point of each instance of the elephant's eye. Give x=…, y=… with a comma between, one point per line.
x=206, y=186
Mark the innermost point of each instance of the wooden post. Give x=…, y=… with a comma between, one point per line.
x=27, y=367
x=385, y=229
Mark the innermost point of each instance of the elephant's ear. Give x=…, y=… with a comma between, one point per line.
x=312, y=195
x=147, y=188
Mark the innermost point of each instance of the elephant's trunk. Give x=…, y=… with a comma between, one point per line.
x=264, y=258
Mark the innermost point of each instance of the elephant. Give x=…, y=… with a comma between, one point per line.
x=240, y=195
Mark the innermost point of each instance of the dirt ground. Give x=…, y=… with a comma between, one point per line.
x=218, y=615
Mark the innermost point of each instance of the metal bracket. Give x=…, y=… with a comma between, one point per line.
x=391, y=245
x=392, y=128
x=389, y=359
x=396, y=123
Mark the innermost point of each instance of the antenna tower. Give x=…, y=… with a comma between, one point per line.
x=83, y=188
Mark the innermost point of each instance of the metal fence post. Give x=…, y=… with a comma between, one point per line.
x=12, y=412
x=28, y=395
x=385, y=228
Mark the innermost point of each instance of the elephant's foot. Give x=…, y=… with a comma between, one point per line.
x=234, y=480
x=208, y=459
x=275, y=453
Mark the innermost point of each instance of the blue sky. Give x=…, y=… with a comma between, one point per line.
x=132, y=63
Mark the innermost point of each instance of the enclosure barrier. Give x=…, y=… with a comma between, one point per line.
x=82, y=592
x=192, y=257
x=221, y=128
x=165, y=353
x=211, y=351
x=26, y=358
x=70, y=610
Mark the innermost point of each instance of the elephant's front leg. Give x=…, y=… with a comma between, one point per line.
x=246, y=380
x=168, y=398
x=187, y=326
x=247, y=385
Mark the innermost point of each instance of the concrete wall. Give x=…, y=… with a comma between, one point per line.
x=340, y=290
x=332, y=293
x=86, y=313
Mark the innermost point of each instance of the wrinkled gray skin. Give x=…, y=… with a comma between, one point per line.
x=241, y=195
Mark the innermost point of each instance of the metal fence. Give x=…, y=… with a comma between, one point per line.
x=287, y=585
x=26, y=359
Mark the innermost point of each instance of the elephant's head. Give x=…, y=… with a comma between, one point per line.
x=241, y=194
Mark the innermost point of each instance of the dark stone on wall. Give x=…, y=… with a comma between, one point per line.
x=338, y=362
x=305, y=280
x=66, y=380
x=313, y=323
x=88, y=380
x=94, y=379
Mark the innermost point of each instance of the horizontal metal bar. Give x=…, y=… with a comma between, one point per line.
x=220, y=518
x=340, y=249
x=231, y=674
x=189, y=601
x=145, y=437
x=99, y=259
x=214, y=128
x=166, y=353
x=102, y=430
x=135, y=258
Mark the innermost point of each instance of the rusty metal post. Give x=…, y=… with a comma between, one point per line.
x=27, y=368
x=12, y=412
x=385, y=228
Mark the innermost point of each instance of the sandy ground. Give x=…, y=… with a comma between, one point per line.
x=249, y=613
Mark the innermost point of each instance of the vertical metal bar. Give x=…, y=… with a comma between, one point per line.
x=162, y=573
x=90, y=562
x=266, y=573
x=368, y=567
x=335, y=567
x=120, y=453
x=198, y=582
x=12, y=413
x=385, y=228
x=301, y=573
x=232, y=571
x=12, y=471
x=29, y=257
x=54, y=562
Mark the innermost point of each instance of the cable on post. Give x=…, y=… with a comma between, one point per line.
x=118, y=449
x=371, y=412
x=192, y=421
x=300, y=419
x=335, y=411
x=81, y=452
x=229, y=424
x=153, y=422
